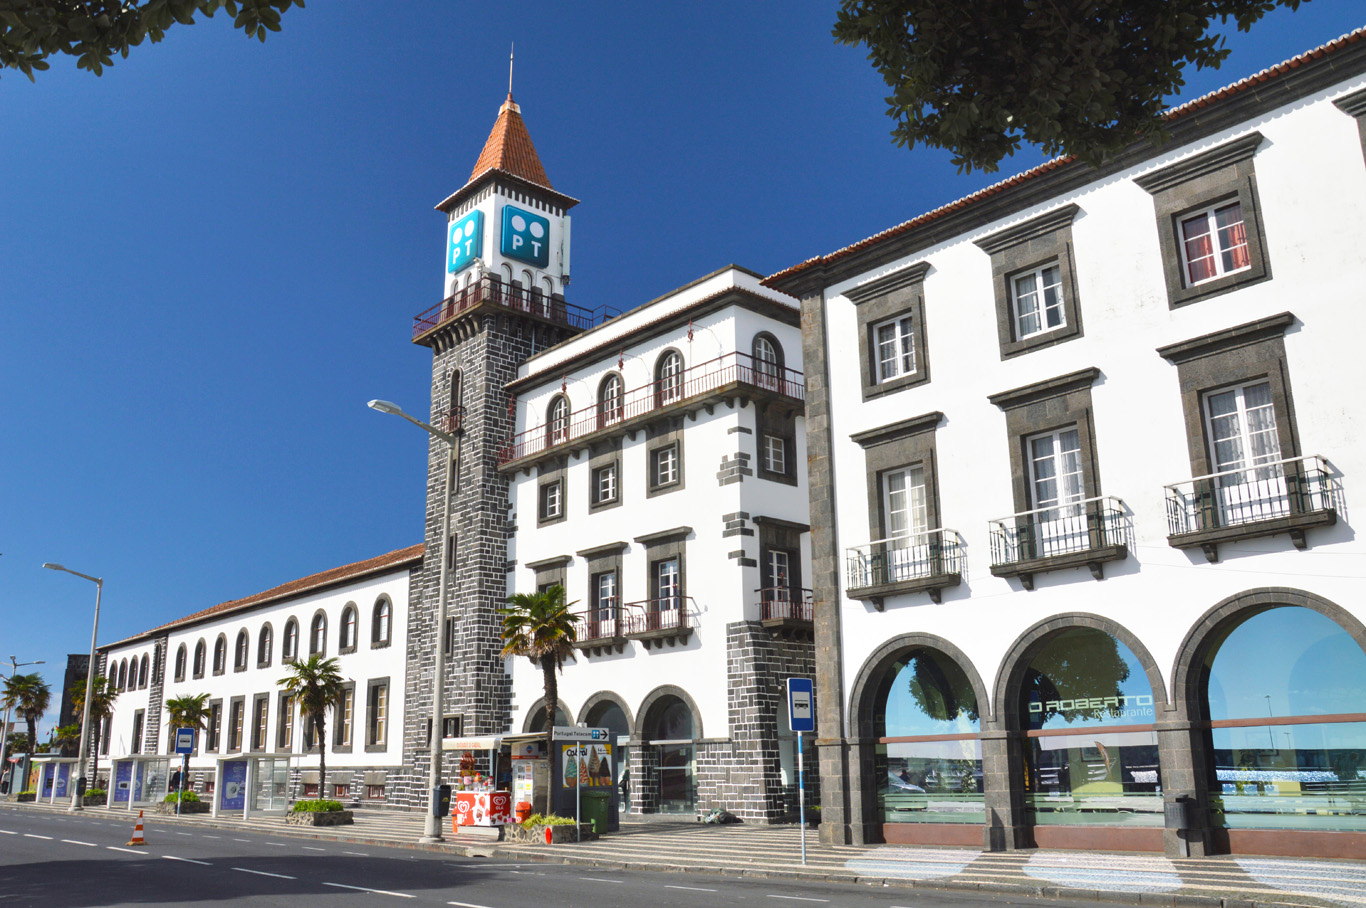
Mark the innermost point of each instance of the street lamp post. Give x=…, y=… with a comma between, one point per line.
x=432, y=826
x=76, y=792
x=4, y=728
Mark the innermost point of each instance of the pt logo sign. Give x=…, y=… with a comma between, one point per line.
x=465, y=242
x=526, y=236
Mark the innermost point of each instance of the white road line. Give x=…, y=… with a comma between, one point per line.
x=126, y=850
x=467, y=905
x=311, y=848
x=171, y=857
x=8, y=832
x=598, y=879
x=211, y=837
x=281, y=844
x=184, y=833
x=74, y=842
x=29, y=835
x=402, y=895
x=359, y=854
x=241, y=840
x=797, y=898
x=691, y=888
x=278, y=876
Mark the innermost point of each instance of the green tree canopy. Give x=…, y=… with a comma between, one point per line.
x=317, y=686
x=540, y=627
x=102, y=699
x=93, y=31
x=187, y=711
x=1078, y=77
x=29, y=697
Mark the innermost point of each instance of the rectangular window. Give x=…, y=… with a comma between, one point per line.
x=235, y=726
x=310, y=789
x=137, y=732
x=260, y=728
x=668, y=584
x=1055, y=473
x=775, y=454
x=903, y=502
x=341, y=791
x=374, y=792
x=1250, y=484
x=777, y=570
x=895, y=348
x=215, y=725
x=378, y=715
x=603, y=620
x=1038, y=301
x=605, y=484
x=343, y=718
x=552, y=503
x=450, y=727
x=286, y=734
x=664, y=470
x=1214, y=243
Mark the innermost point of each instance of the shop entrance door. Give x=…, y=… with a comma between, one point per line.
x=677, y=780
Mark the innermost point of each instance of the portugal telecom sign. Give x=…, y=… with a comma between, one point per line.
x=465, y=242
x=526, y=236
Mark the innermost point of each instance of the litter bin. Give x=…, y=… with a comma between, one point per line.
x=593, y=808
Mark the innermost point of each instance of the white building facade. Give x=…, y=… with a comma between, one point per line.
x=1084, y=570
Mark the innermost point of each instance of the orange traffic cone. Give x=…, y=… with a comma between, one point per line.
x=137, y=838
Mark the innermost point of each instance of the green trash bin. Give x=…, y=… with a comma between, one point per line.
x=593, y=808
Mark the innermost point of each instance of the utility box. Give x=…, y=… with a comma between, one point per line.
x=1179, y=813
x=441, y=801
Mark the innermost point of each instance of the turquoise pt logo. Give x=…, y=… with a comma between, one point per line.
x=465, y=242
x=526, y=236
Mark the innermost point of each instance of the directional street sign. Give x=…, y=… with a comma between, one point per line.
x=580, y=733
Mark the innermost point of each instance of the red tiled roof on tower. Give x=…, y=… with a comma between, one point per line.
x=509, y=148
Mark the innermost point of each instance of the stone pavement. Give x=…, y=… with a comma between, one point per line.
x=775, y=851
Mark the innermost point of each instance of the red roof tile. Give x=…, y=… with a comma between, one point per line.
x=509, y=148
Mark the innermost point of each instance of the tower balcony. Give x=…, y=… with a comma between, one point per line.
x=491, y=292
x=731, y=374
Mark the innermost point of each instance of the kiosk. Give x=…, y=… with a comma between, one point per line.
x=481, y=779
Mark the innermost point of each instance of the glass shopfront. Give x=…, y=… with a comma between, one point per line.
x=674, y=758
x=1091, y=748
x=1285, y=691
x=270, y=784
x=928, y=759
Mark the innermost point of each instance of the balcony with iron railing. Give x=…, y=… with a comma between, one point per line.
x=786, y=611
x=1085, y=533
x=655, y=622
x=1288, y=496
x=728, y=374
x=452, y=420
x=491, y=291
x=600, y=628
x=927, y=562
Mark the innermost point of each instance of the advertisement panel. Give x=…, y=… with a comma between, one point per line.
x=464, y=241
x=526, y=236
x=233, y=795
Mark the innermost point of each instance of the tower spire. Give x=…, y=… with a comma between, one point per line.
x=512, y=50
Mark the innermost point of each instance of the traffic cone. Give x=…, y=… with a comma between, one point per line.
x=137, y=838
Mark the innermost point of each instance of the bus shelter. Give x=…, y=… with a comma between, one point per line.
x=53, y=778
x=137, y=781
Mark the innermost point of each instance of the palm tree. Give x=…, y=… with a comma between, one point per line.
x=101, y=708
x=317, y=686
x=540, y=627
x=28, y=696
x=186, y=711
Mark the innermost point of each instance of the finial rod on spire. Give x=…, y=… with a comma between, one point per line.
x=512, y=50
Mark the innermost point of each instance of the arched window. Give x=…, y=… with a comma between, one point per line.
x=557, y=421
x=536, y=723
x=263, y=646
x=768, y=362
x=199, y=650
x=158, y=664
x=317, y=635
x=347, y=641
x=123, y=675
x=220, y=654
x=381, y=623
x=669, y=378
x=610, y=394
x=144, y=667
x=242, y=651
x=528, y=282
x=1304, y=677
x=1078, y=682
x=928, y=764
x=181, y=654
x=290, y=652
x=507, y=274
x=547, y=287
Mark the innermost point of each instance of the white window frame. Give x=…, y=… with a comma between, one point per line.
x=665, y=466
x=1210, y=218
x=610, y=405
x=1042, y=307
x=671, y=378
x=895, y=355
x=552, y=500
x=668, y=583
x=345, y=715
x=778, y=568
x=775, y=453
x=605, y=484
x=905, y=507
x=1064, y=501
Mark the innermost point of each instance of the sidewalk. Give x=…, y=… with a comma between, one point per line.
x=775, y=851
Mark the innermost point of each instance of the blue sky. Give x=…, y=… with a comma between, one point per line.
x=210, y=257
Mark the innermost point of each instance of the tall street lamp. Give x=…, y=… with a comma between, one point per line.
x=76, y=791
x=431, y=831
x=4, y=729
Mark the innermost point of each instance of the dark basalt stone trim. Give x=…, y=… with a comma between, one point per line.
x=1043, y=390
x=1239, y=149
x=611, y=548
x=933, y=584
x=1093, y=559
x=903, y=277
x=1294, y=524
x=927, y=422
x=781, y=524
x=663, y=536
x=1029, y=230
x=1228, y=339
x=547, y=564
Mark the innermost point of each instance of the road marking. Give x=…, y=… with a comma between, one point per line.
x=467, y=905
x=171, y=857
x=281, y=844
x=8, y=832
x=241, y=840
x=797, y=898
x=359, y=854
x=598, y=879
x=311, y=848
x=211, y=837
x=126, y=850
x=278, y=876
x=29, y=835
x=691, y=888
x=184, y=833
x=74, y=842
x=402, y=895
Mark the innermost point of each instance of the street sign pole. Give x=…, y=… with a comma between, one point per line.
x=801, y=717
x=578, y=781
x=801, y=796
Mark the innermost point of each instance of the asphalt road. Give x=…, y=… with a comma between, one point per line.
x=54, y=861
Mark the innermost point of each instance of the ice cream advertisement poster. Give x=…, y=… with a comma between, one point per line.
x=587, y=765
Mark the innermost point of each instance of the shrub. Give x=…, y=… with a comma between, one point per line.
x=184, y=797
x=549, y=819
x=96, y=793
x=317, y=805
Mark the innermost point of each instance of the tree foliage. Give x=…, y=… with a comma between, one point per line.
x=102, y=697
x=93, y=31
x=317, y=686
x=1078, y=77
x=541, y=627
x=187, y=711
x=29, y=697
